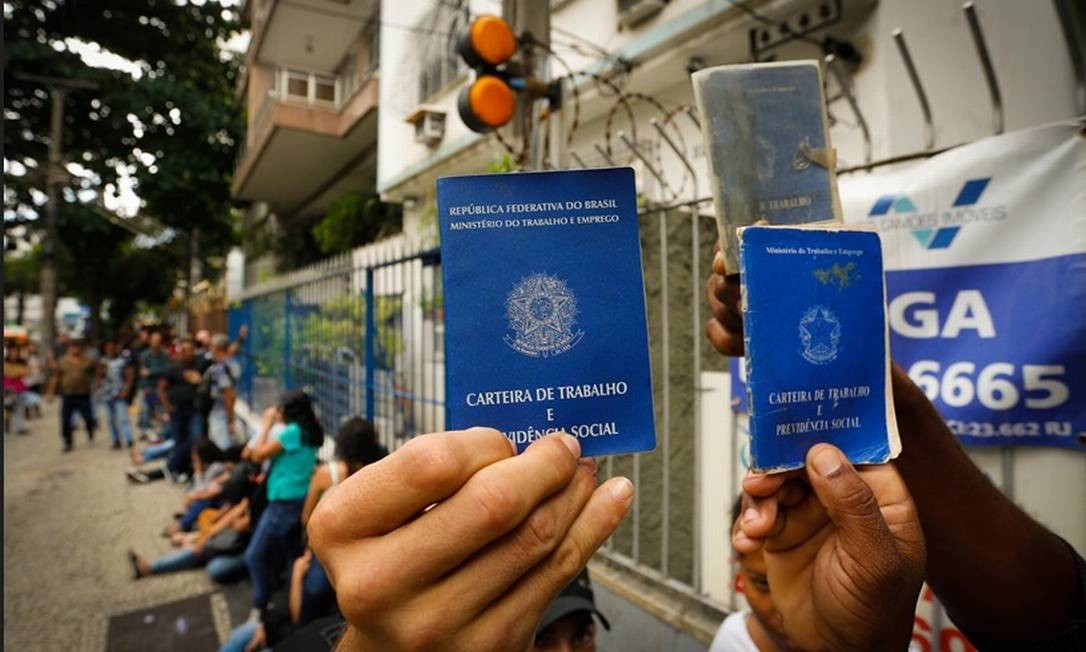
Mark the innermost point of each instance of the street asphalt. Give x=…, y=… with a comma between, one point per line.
x=68, y=521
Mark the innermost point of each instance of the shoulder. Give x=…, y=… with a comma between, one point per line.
x=733, y=635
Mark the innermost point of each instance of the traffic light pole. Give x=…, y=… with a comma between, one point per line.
x=531, y=22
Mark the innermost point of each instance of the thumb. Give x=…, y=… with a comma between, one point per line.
x=849, y=502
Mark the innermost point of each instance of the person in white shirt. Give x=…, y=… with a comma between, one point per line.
x=759, y=628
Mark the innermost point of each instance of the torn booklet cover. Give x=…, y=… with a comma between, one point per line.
x=817, y=345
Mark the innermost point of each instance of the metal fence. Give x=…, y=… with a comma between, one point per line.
x=364, y=334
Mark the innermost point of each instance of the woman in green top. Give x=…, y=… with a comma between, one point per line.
x=277, y=540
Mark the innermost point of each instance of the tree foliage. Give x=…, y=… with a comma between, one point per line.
x=172, y=126
x=354, y=220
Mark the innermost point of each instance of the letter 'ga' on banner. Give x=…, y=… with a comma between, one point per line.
x=985, y=255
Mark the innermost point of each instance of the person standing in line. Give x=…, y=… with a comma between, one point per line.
x=222, y=380
x=118, y=386
x=76, y=376
x=36, y=376
x=177, y=391
x=153, y=361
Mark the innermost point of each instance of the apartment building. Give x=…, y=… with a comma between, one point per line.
x=310, y=90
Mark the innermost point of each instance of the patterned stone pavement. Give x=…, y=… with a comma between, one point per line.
x=68, y=522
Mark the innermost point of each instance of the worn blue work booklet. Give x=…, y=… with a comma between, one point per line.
x=817, y=345
x=545, y=307
x=767, y=138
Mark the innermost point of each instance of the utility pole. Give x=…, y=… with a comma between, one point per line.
x=55, y=174
x=531, y=22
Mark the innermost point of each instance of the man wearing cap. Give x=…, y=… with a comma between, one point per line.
x=567, y=623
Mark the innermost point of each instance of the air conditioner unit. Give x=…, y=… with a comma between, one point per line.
x=634, y=12
x=429, y=126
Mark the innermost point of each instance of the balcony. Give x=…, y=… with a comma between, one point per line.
x=308, y=34
x=311, y=137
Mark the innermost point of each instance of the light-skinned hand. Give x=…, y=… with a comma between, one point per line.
x=453, y=542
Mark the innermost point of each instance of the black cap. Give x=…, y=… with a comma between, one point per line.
x=577, y=596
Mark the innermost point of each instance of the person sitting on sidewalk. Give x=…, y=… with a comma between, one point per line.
x=219, y=547
x=77, y=373
x=209, y=473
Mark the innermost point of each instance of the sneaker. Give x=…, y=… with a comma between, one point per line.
x=67, y=448
x=136, y=476
x=115, y=446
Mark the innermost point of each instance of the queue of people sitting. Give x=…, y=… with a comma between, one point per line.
x=244, y=516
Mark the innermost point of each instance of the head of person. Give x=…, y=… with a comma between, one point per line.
x=298, y=409
x=155, y=341
x=11, y=351
x=753, y=580
x=109, y=349
x=568, y=624
x=220, y=346
x=203, y=338
x=188, y=350
x=206, y=453
x=75, y=346
x=143, y=336
x=357, y=445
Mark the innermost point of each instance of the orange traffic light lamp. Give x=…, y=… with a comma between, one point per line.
x=486, y=104
x=488, y=42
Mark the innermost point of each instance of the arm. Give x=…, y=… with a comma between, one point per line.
x=235, y=346
x=162, y=396
x=226, y=520
x=976, y=560
x=228, y=397
x=297, y=584
x=129, y=380
x=265, y=450
x=317, y=486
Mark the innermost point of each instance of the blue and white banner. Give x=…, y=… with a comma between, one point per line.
x=985, y=255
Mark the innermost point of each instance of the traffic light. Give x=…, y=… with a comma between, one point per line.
x=489, y=101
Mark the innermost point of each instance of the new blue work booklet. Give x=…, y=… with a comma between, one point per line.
x=767, y=137
x=817, y=345
x=545, y=307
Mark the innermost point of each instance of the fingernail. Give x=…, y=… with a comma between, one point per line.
x=827, y=462
x=572, y=444
x=622, y=491
x=590, y=464
x=750, y=515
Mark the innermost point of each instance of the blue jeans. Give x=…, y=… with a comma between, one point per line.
x=240, y=637
x=183, y=430
x=117, y=417
x=276, y=543
x=188, y=519
x=148, y=403
x=318, y=596
x=155, y=451
x=183, y=559
x=227, y=568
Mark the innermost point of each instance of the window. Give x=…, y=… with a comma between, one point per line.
x=440, y=65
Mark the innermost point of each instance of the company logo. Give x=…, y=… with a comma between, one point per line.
x=541, y=311
x=937, y=230
x=819, y=332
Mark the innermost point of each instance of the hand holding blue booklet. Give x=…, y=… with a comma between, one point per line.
x=545, y=325
x=817, y=345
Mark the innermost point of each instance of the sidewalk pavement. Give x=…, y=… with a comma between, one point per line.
x=68, y=521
